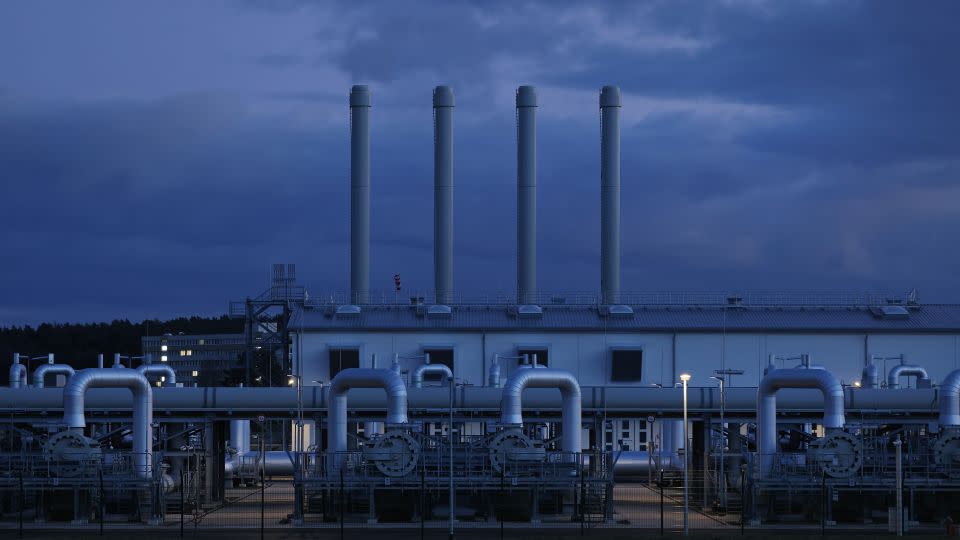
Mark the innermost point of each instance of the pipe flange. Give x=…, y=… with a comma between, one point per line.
x=838, y=453
x=946, y=453
x=508, y=445
x=395, y=453
x=71, y=454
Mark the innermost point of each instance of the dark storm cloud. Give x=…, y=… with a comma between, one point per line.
x=766, y=144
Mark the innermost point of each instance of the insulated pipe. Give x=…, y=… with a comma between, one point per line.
x=511, y=404
x=161, y=370
x=443, y=193
x=116, y=361
x=950, y=400
x=74, y=394
x=493, y=378
x=776, y=379
x=359, y=194
x=610, y=194
x=50, y=369
x=275, y=463
x=526, y=195
x=350, y=378
x=18, y=372
x=100, y=360
x=240, y=436
x=907, y=370
x=418, y=373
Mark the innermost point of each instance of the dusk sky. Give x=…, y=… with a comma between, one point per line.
x=157, y=157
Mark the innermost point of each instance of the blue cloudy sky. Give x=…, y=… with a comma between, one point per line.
x=156, y=157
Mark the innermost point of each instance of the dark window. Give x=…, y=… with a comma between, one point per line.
x=542, y=357
x=626, y=365
x=439, y=356
x=341, y=359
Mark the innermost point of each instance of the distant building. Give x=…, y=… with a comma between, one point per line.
x=198, y=359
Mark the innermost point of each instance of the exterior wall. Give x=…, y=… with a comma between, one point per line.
x=587, y=354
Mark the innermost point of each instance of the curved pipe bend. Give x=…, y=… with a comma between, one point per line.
x=906, y=370
x=73, y=407
x=416, y=377
x=159, y=369
x=511, y=404
x=387, y=379
x=777, y=379
x=51, y=369
x=18, y=375
x=949, y=400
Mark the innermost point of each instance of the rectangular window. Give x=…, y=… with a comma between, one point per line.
x=163, y=358
x=163, y=348
x=342, y=358
x=541, y=352
x=194, y=373
x=439, y=356
x=626, y=365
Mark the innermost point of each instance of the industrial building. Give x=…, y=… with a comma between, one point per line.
x=811, y=408
x=197, y=358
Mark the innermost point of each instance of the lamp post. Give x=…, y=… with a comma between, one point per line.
x=719, y=376
x=685, y=378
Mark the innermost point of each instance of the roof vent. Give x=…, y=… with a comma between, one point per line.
x=616, y=310
x=890, y=312
x=439, y=311
x=348, y=311
x=529, y=311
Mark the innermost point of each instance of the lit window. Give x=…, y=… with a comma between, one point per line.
x=163, y=358
x=189, y=352
x=163, y=378
x=183, y=352
x=163, y=348
x=195, y=373
x=200, y=342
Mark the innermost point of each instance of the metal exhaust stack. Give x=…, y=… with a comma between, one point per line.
x=776, y=379
x=349, y=378
x=511, y=402
x=610, y=194
x=526, y=195
x=359, y=194
x=73, y=408
x=443, y=194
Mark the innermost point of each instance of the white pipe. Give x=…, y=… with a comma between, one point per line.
x=161, y=370
x=493, y=378
x=350, y=378
x=511, y=404
x=100, y=360
x=50, y=369
x=950, y=400
x=240, y=436
x=870, y=378
x=18, y=372
x=776, y=379
x=907, y=370
x=74, y=394
x=429, y=369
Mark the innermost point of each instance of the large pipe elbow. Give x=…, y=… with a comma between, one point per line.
x=50, y=369
x=949, y=399
x=350, y=378
x=423, y=370
x=777, y=379
x=167, y=372
x=18, y=373
x=73, y=407
x=906, y=370
x=511, y=404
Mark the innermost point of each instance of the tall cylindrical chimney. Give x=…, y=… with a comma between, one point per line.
x=443, y=193
x=526, y=195
x=359, y=194
x=610, y=194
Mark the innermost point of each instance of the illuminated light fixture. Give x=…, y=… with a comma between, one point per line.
x=685, y=377
x=163, y=378
x=856, y=384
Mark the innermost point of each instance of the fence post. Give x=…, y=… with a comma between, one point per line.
x=263, y=490
x=20, y=526
x=423, y=502
x=743, y=499
x=823, y=503
x=183, y=506
x=341, y=503
x=661, y=501
x=499, y=510
x=103, y=506
x=583, y=503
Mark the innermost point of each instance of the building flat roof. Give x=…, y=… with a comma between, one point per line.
x=936, y=318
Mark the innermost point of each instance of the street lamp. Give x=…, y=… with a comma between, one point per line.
x=685, y=378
